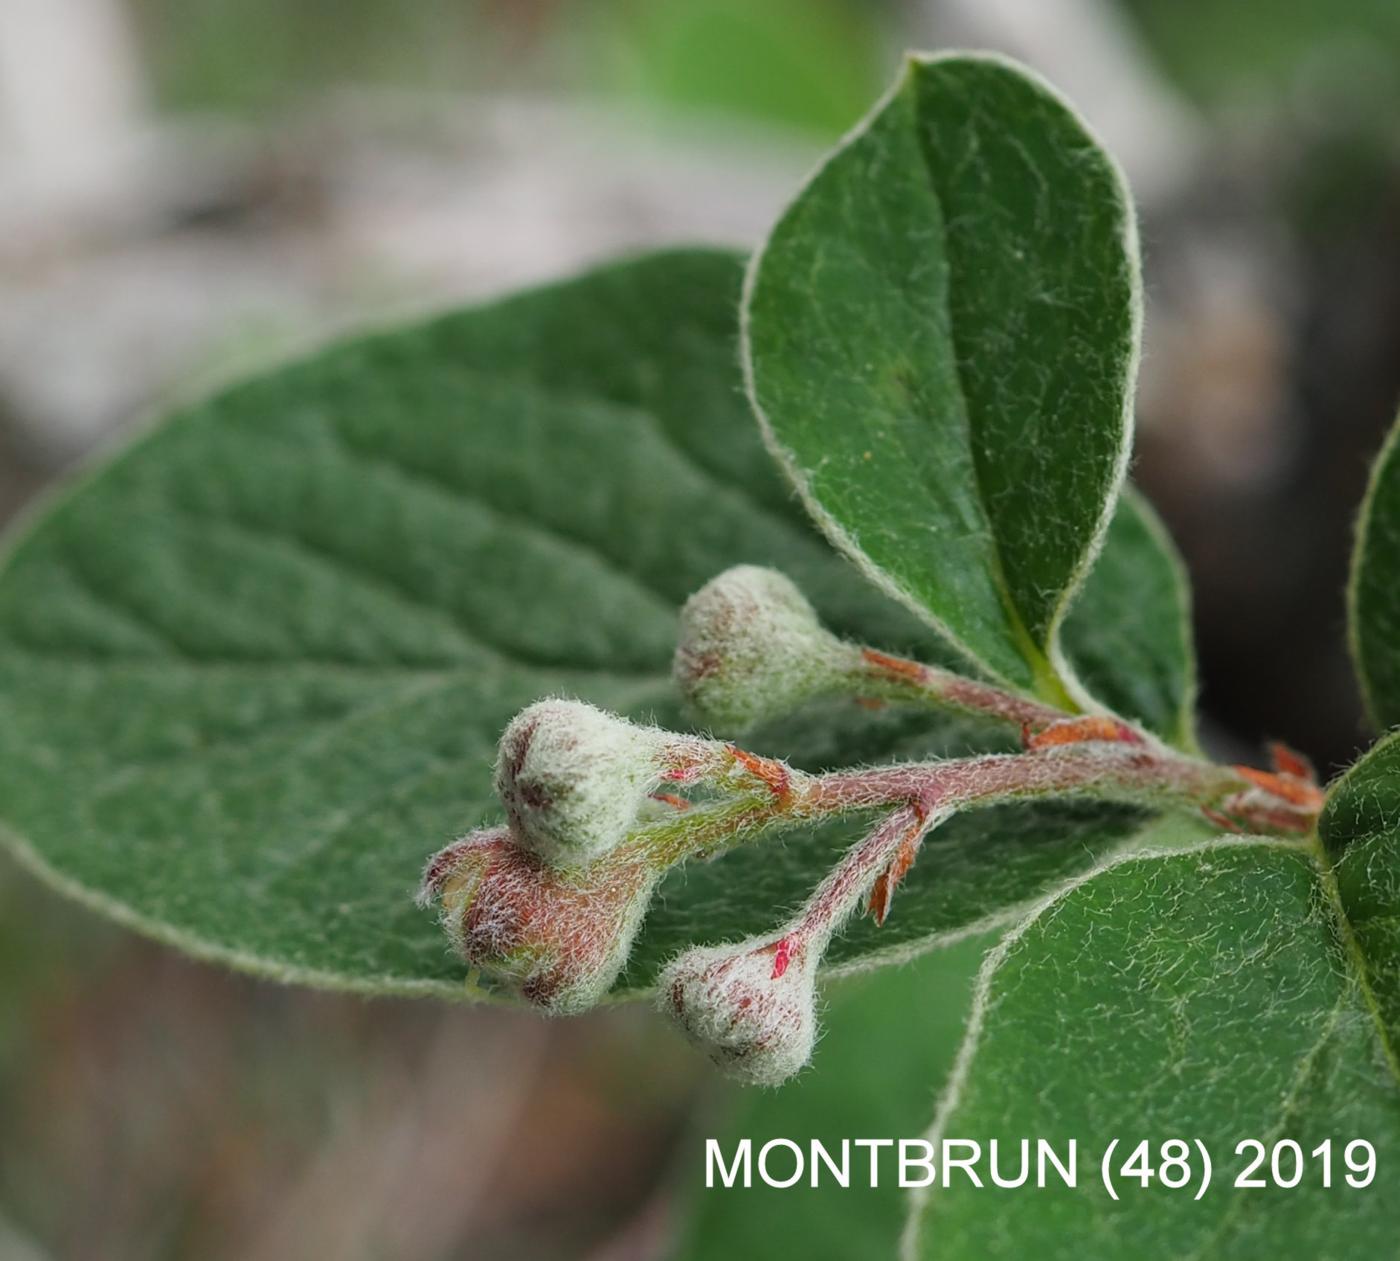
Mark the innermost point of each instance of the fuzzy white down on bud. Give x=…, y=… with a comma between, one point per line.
x=558, y=938
x=755, y=1018
x=751, y=647
x=573, y=778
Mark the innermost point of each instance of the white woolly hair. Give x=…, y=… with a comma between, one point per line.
x=751, y=646
x=572, y=778
x=757, y=1028
x=557, y=939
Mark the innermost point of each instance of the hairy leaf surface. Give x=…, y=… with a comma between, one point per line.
x=1208, y=994
x=941, y=340
x=253, y=670
x=1360, y=829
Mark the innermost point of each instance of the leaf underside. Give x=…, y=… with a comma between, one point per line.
x=253, y=670
x=941, y=336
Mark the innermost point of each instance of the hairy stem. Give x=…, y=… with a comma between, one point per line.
x=918, y=797
x=1124, y=772
x=866, y=863
x=898, y=678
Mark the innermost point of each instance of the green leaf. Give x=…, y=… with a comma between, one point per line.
x=941, y=340
x=253, y=670
x=1129, y=632
x=1374, y=591
x=1360, y=831
x=917, y=1014
x=1208, y=995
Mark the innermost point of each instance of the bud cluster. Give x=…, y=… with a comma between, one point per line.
x=548, y=904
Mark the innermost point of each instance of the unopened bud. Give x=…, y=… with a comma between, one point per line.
x=751, y=647
x=751, y=1008
x=556, y=938
x=572, y=778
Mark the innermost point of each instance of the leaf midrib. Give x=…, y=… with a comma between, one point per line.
x=1044, y=679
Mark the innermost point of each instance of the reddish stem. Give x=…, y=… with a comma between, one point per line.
x=898, y=678
x=923, y=795
x=847, y=883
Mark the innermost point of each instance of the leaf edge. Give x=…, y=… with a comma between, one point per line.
x=1380, y=465
x=832, y=530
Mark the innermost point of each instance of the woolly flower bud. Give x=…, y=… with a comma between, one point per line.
x=572, y=778
x=558, y=939
x=751, y=647
x=751, y=1008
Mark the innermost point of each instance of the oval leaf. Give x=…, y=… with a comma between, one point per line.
x=941, y=342
x=1206, y=995
x=254, y=669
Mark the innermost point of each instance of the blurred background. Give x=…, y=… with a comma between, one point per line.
x=191, y=187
